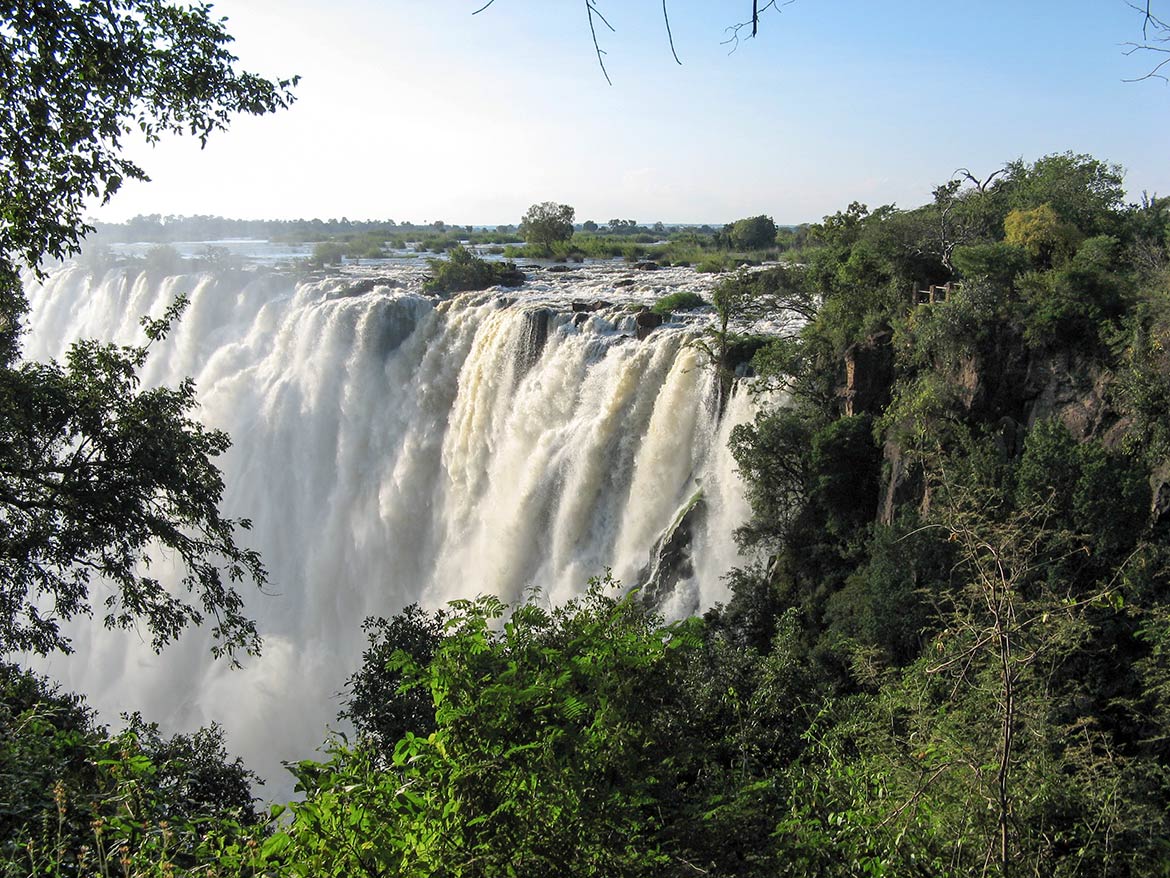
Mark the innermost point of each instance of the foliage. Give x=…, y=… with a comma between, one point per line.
x=542, y=760
x=546, y=223
x=462, y=270
x=96, y=472
x=752, y=233
x=382, y=704
x=77, y=80
x=326, y=253
x=684, y=300
x=1081, y=190
x=996, y=262
x=82, y=801
x=1041, y=233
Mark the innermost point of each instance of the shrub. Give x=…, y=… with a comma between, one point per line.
x=712, y=265
x=462, y=271
x=684, y=300
x=326, y=253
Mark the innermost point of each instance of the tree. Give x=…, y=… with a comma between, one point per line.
x=126, y=794
x=753, y=233
x=94, y=470
x=547, y=223
x=545, y=756
x=1040, y=233
x=381, y=711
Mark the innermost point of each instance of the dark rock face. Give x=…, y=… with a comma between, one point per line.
x=369, y=284
x=1073, y=392
x=647, y=266
x=869, y=374
x=671, y=560
x=512, y=276
x=647, y=322
x=531, y=346
x=1009, y=388
x=1160, y=493
x=625, y=282
x=585, y=307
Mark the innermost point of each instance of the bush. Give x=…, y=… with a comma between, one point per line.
x=712, y=265
x=327, y=253
x=462, y=271
x=684, y=300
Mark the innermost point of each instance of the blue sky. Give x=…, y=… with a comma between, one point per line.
x=417, y=110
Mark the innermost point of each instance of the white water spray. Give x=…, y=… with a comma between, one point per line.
x=393, y=448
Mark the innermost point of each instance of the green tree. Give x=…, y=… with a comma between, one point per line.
x=94, y=470
x=547, y=223
x=543, y=760
x=1082, y=190
x=73, y=790
x=753, y=233
x=380, y=709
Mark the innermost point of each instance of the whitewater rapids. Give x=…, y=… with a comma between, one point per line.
x=392, y=447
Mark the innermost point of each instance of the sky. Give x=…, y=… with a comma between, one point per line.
x=418, y=110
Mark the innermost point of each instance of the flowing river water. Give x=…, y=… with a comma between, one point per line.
x=393, y=447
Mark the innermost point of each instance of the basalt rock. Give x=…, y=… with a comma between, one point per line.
x=647, y=322
x=869, y=374
x=671, y=559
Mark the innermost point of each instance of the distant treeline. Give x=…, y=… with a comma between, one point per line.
x=159, y=228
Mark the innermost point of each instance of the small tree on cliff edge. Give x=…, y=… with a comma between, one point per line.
x=547, y=223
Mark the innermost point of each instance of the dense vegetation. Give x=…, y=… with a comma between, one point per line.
x=950, y=656
x=463, y=270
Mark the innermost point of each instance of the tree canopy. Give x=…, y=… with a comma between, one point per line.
x=95, y=470
x=546, y=223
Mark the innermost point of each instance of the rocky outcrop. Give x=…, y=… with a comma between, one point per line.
x=869, y=374
x=671, y=560
x=647, y=322
x=1073, y=392
x=531, y=344
x=1009, y=389
x=365, y=285
x=1160, y=493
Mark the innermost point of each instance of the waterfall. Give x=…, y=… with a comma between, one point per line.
x=391, y=447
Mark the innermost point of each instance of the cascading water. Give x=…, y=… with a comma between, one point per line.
x=390, y=448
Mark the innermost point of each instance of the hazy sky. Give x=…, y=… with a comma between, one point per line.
x=417, y=110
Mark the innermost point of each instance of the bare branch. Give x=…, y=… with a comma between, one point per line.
x=980, y=185
x=669, y=35
x=1155, y=31
x=591, y=11
x=482, y=8
x=753, y=22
